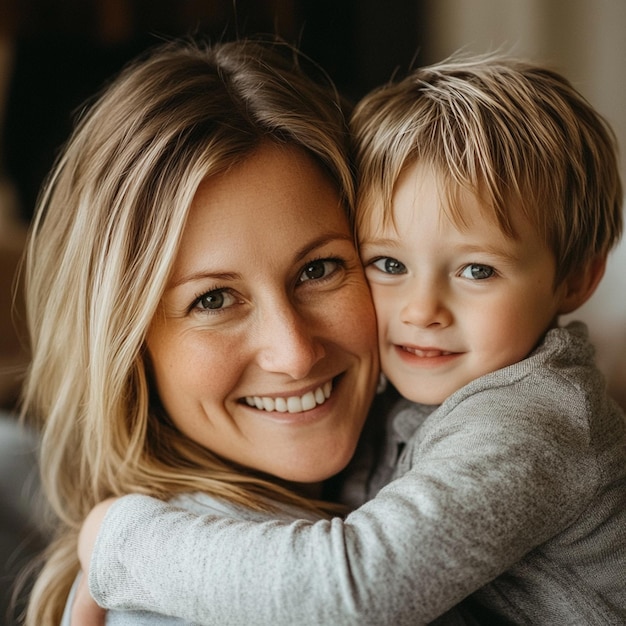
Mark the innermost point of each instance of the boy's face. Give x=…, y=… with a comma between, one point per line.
x=453, y=303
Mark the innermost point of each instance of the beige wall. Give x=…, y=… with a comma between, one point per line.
x=586, y=41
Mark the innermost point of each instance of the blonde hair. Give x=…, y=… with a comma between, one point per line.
x=103, y=241
x=517, y=135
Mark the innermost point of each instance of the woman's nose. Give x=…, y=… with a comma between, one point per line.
x=425, y=305
x=288, y=343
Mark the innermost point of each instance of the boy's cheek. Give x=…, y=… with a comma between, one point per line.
x=384, y=307
x=377, y=297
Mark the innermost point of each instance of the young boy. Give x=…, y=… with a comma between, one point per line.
x=489, y=199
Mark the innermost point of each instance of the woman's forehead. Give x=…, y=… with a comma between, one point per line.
x=278, y=199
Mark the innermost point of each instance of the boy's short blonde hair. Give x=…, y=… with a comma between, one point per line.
x=516, y=134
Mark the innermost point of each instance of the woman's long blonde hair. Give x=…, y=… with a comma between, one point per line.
x=103, y=241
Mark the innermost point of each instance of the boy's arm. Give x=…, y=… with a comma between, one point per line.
x=462, y=515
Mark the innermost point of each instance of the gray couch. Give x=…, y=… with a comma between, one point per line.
x=22, y=523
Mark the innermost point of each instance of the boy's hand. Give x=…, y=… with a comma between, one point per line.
x=89, y=532
x=85, y=611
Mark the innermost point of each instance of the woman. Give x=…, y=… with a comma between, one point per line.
x=199, y=318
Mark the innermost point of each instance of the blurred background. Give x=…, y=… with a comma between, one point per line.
x=56, y=53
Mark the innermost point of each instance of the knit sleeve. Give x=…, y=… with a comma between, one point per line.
x=472, y=504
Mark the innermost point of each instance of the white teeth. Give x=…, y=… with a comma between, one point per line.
x=308, y=401
x=292, y=404
x=427, y=353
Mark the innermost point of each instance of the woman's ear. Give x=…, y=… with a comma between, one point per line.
x=579, y=286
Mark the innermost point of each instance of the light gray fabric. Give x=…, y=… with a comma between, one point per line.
x=512, y=492
x=124, y=618
x=198, y=504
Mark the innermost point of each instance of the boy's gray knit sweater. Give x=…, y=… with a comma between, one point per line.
x=198, y=504
x=509, y=498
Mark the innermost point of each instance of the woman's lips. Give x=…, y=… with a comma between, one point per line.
x=292, y=404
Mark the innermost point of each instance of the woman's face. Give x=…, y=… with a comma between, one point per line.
x=264, y=345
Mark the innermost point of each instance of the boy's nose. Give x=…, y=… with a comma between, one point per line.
x=425, y=306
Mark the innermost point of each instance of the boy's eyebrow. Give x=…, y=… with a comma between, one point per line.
x=491, y=249
x=379, y=241
x=465, y=248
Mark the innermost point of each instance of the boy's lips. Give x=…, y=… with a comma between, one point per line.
x=425, y=352
x=425, y=356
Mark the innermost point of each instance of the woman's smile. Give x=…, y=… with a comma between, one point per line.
x=292, y=403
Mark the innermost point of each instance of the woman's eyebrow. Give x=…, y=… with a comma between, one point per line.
x=201, y=275
x=300, y=255
x=321, y=241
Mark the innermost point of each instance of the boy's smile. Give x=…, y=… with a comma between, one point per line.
x=454, y=302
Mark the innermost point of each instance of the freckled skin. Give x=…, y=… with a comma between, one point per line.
x=267, y=298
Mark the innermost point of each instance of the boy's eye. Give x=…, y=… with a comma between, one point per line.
x=389, y=265
x=476, y=271
x=215, y=300
x=318, y=269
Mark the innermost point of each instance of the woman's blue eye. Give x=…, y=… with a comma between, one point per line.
x=318, y=269
x=389, y=265
x=476, y=271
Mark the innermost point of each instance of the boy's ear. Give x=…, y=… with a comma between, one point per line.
x=579, y=286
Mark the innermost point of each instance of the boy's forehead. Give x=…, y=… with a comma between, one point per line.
x=376, y=200
x=459, y=203
x=374, y=216
x=417, y=182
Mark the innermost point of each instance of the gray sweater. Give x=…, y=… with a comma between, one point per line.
x=509, y=500
x=198, y=504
